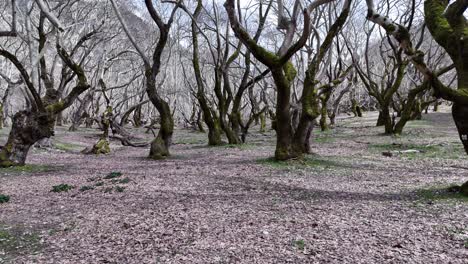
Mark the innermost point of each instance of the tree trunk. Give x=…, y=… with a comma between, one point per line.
x=284, y=134
x=28, y=128
x=262, y=123
x=356, y=109
x=137, y=117
x=160, y=145
x=460, y=116
x=323, y=116
x=59, y=121
x=1, y=116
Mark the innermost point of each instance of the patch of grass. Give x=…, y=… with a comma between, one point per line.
x=324, y=139
x=99, y=184
x=119, y=188
x=446, y=151
x=189, y=141
x=62, y=188
x=124, y=180
x=326, y=136
x=299, y=244
x=239, y=146
x=419, y=124
x=66, y=146
x=113, y=175
x=28, y=168
x=15, y=241
x=305, y=162
x=108, y=190
x=86, y=188
x=4, y=198
x=442, y=193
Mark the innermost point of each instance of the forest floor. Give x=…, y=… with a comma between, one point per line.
x=347, y=203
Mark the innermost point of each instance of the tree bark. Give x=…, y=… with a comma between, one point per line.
x=28, y=128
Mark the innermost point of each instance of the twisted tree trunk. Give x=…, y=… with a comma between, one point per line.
x=28, y=128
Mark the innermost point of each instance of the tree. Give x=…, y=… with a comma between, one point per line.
x=282, y=69
x=31, y=125
x=449, y=28
x=160, y=145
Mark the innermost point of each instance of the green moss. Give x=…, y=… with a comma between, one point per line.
x=55, y=108
x=102, y=147
x=436, y=22
x=264, y=54
x=158, y=149
x=289, y=71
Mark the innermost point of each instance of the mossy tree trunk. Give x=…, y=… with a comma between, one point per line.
x=27, y=129
x=210, y=116
x=283, y=77
x=160, y=145
x=102, y=146
x=38, y=123
x=449, y=27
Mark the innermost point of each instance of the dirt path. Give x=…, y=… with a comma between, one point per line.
x=346, y=204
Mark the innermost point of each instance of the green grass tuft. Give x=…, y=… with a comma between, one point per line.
x=86, y=188
x=28, y=168
x=113, y=175
x=299, y=244
x=4, y=198
x=119, y=188
x=66, y=146
x=62, y=188
x=124, y=180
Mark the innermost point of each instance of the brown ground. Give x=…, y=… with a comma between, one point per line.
x=345, y=204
